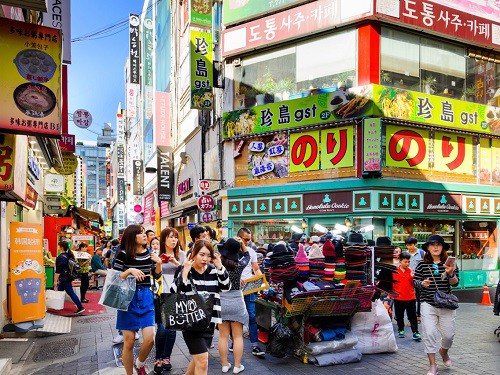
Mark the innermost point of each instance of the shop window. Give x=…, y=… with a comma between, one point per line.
x=421, y=229
x=483, y=79
x=479, y=245
x=267, y=231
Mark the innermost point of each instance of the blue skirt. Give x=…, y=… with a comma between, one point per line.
x=140, y=313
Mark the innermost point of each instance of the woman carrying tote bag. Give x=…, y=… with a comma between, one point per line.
x=431, y=275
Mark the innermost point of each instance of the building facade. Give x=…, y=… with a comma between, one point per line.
x=93, y=160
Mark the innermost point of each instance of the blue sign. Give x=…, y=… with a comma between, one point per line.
x=191, y=226
x=33, y=167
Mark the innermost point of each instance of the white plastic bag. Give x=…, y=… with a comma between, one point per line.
x=54, y=300
x=317, y=348
x=117, y=292
x=374, y=330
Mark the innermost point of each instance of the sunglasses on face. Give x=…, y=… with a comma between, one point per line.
x=246, y=239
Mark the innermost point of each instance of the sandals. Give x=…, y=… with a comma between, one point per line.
x=446, y=360
x=433, y=370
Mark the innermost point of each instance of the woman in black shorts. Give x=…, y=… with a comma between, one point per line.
x=203, y=267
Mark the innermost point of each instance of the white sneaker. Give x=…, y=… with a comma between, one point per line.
x=118, y=339
x=237, y=370
x=136, y=336
x=226, y=368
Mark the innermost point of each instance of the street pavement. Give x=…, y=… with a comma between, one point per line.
x=88, y=350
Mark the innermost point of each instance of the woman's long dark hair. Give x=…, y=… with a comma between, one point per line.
x=128, y=243
x=428, y=257
x=65, y=246
x=165, y=233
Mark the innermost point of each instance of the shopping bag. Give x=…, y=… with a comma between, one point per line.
x=54, y=300
x=117, y=292
x=374, y=330
x=181, y=312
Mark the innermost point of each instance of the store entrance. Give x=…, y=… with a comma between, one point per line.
x=421, y=229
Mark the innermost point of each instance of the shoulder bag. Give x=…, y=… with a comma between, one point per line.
x=181, y=312
x=442, y=299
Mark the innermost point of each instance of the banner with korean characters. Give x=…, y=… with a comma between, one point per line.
x=27, y=276
x=407, y=148
x=485, y=161
x=453, y=153
x=239, y=10
x=30, y=73
x=310, y=110
x=495, y=161
x=201, y=69
x=268, y=157
x=201, y=13
x=321, y=150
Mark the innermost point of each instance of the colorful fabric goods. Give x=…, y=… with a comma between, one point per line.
x=316, y=262
x=303, y=263
x=282, y=266
x=329, y=253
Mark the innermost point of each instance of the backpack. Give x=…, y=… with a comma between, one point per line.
x=74, y=268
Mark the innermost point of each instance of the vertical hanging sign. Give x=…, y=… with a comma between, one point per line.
x=138, y=182
x=371, y=145
x=148, y=67
x=165, y=173
x=201, y=13
x=134, y=48
x=201, y=70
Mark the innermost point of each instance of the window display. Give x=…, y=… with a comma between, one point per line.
x=421, y=230
x=479, y=247
x=267, y=231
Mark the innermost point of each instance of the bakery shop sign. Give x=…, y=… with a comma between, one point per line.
x=328, y=202
x=30, y=72
x=442, y=203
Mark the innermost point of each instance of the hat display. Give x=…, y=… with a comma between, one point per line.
x=295, y=237
x=355, y=239
x=315, y=239
x=303, y=263
x=316, y=262
x=282, y=265
x=436, y=238
x=329, y=253
x=230, y=249
x=383, y=241
x=315, y=252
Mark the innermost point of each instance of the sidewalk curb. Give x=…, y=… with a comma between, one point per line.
x=5, y=366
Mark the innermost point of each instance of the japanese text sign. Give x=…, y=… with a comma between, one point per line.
x=27, y=297
x=438, y=18
x=201, y=70
x=292, y=23
x=238, y=10
x=201, y=13
x=268, y=157
x=30, y=72
x=407, y=148
x=372, y=141
x=304, y=151
x=134, y=57
x=206, y=203
x=452, y=153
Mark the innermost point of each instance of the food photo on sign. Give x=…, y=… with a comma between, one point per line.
x=268, y=157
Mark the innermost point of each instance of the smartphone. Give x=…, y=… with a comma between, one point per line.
x=450, y=261
x=165, y=258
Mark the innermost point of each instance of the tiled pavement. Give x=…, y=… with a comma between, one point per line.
x=88, y=350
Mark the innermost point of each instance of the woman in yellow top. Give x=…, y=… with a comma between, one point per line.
x=84, y=262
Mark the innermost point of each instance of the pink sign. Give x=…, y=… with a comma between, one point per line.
x=162, y=118
x=67, y=142
x=489, y=9
x=302, y=20
x=442, y=19
x=206, y=203
x=149, y=216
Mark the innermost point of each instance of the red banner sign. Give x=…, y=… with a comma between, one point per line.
x=67, y=142
x=206, y=203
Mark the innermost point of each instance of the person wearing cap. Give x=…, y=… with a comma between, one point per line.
x=434, y=274
x=235, y=257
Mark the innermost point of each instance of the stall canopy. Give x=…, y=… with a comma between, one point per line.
x=85, y=214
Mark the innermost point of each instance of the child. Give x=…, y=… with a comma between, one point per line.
x=406, y=299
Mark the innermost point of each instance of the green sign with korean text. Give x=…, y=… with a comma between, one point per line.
x=201, y=13
x=370, y=100
x=201, y=70
x=238, y=10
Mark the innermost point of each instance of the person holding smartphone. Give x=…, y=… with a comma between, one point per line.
x=171, y=257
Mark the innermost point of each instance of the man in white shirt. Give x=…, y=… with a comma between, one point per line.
x=246, y=237
x=417, y=255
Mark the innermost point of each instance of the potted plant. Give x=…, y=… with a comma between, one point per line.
x=284, y=88
x=429, y=84
x=469, y=93
x=266, y=86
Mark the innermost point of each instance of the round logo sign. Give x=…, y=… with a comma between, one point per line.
x=206, y=203
x=82, y=118
x=70, y=162
x=204, y=185
x=207, y=217
x=137, y=208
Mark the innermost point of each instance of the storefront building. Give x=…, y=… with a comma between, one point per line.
x=392, y=128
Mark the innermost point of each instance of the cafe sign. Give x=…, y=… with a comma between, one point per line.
x=327, y=202
x=442, y=203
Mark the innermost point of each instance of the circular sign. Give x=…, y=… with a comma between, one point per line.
x=70, y=162
x=207, y=217
x=82, y=118
x=206, y=203
x=204, y=185
x=137, y=208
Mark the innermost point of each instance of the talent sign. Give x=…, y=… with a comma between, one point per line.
x=27, y=275
x=372, y=141
x=268, y=157
x=67, y=142
x=239, y=10
x=82, y=118
x=438, y=18
x=70, y=162
x=30, y=72
x=293, y=23
x=206, y=203
x=407, y=148
x=201, y=69
x=165, y=173
x=134, y=48
x=453, y=153
x=201, y=13
x=204, y=185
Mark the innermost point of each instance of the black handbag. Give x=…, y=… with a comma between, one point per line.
x=181, y=312
x=442, y=299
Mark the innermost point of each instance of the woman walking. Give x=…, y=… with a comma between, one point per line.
x=62, y=277
x=207, y=273
x=172, y=257
x=135, y=260
x=433, y=274
x=84, y=261
x=235, y=258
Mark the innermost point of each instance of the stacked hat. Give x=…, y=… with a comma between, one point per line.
x=356, y=254
x=303, y=263
x=329, y=253
x=314, y=239
x=282, y=266
x=384, y=250
x=316, y=262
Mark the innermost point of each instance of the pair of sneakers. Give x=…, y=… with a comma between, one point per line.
x=162, y=365
x=256, y=350
x=416, y=336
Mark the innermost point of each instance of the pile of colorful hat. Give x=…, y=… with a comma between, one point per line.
x=329, y=253
x=356, y=254
x=282, y=266
x=316, y=262
x=303, y=263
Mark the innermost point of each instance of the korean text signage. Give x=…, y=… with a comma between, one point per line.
x=31, y=79
x=33, y=166
x=31, y=197
x=184, y=186
x=138, y=182
x=372, y=137
x=238, y=10
x=292, y=23
x=441, y=203
x=58, y=16
x=132, y=92
x=201, y=13
x=165, y=173
x=121, y=189
x=70, y=162
x=201, y=69
x=134, y=48
x=120, y=157
x=147, y=66
x=67, y=142
x=438, y=18
x=330, y=202
x=27, y=297
x=82, y=118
